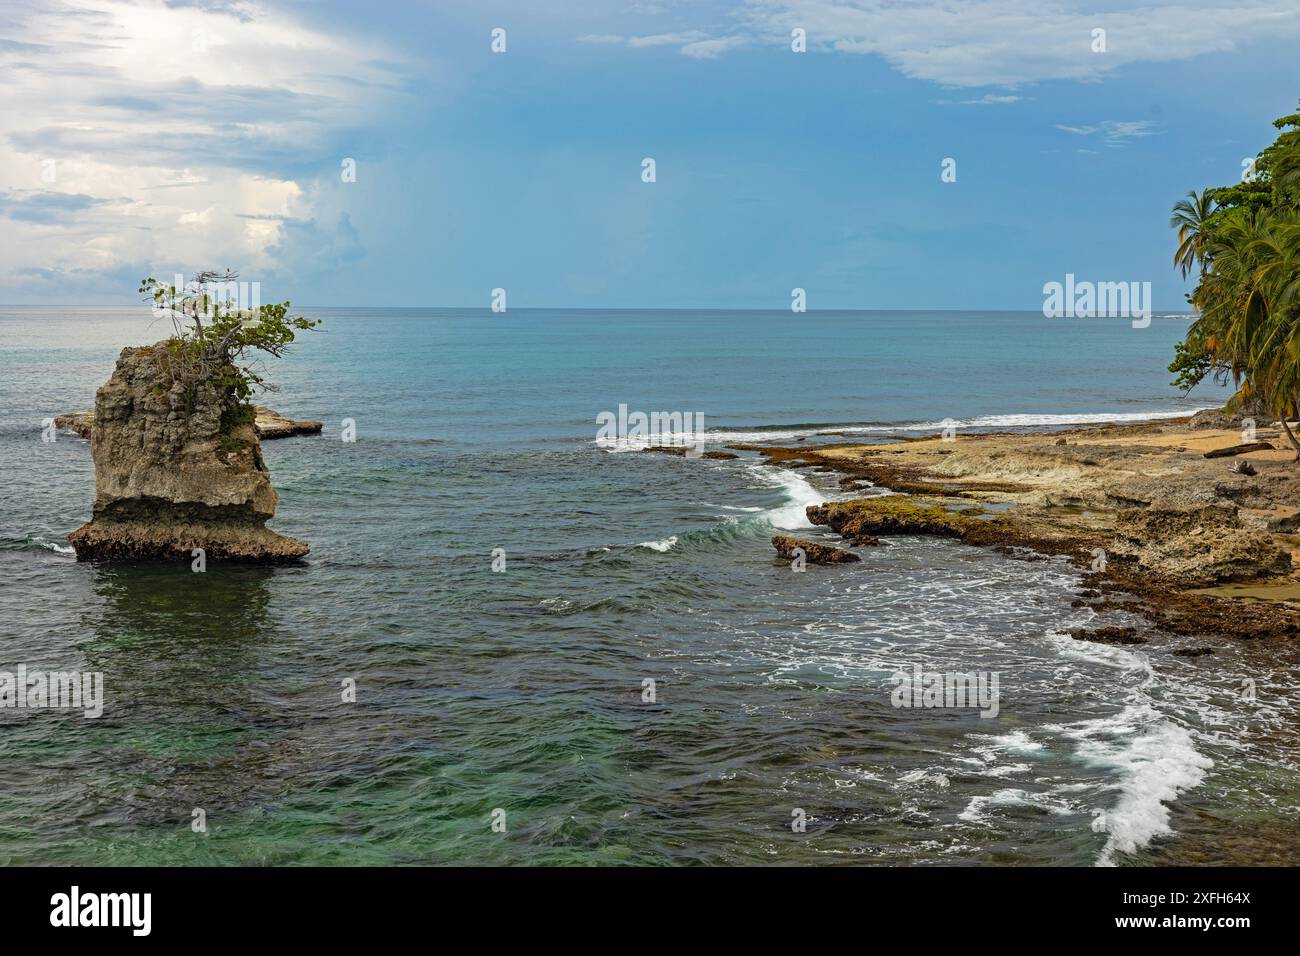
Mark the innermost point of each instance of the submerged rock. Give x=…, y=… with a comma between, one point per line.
x=171, y=476
x=680, y=452
x=1108, y=635
x=813, y=553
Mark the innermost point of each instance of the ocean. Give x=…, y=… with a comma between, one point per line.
x=641, y=681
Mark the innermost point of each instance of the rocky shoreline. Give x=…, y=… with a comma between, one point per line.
x=1163, y=529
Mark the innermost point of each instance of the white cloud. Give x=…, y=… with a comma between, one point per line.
x=693, y=43
x=1114, y=133
x=173, y=124
x=666, y=39
x=988, y=99
x=1003, y=43
x=1125, y=129
x=708, y=49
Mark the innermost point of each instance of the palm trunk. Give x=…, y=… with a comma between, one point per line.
x=1289, y=436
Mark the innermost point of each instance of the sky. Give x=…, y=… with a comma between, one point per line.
x=151, y=138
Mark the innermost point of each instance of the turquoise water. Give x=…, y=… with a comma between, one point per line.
x=523, y=690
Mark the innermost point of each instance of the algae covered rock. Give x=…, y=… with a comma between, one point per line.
x=863, y=519
x=813, y=553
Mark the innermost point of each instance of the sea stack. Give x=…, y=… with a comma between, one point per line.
x=175, y=471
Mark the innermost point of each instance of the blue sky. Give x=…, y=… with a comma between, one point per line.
x=151, y=138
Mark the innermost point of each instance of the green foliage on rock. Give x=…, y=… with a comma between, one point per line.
x=214, y=340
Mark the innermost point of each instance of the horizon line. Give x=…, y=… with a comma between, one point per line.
x=1155, y=312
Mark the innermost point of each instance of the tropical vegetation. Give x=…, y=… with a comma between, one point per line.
x=216, y=335
x=1243, y=243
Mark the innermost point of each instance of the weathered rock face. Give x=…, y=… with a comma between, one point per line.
x=1206, y=544
x=1253, y=409
x=1212, y=418
x=169, y=478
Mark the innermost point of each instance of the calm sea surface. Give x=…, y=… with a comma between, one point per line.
x=523, y=690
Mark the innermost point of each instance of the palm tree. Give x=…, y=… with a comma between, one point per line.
x=1286, y=169
x=1247, y=246
x=1230, y=290
x=1247, y=299
x=1189, y=218
x=1276, y=345
x=1284, y=161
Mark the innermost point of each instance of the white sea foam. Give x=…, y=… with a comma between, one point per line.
x=1156, y=760
x=55, y=546
x=799, y=492
x=661, y=546
x=975, y=811
x=1016, y=741
x=1031, y=420
x=1007, y=770
x=724, y=436
x=556, y=605
x=925, y=776
x=1110, y=655
x=790, y=515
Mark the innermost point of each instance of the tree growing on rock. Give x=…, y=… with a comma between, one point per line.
x=215, y=338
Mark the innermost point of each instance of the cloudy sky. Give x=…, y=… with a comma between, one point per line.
x=147, y=138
